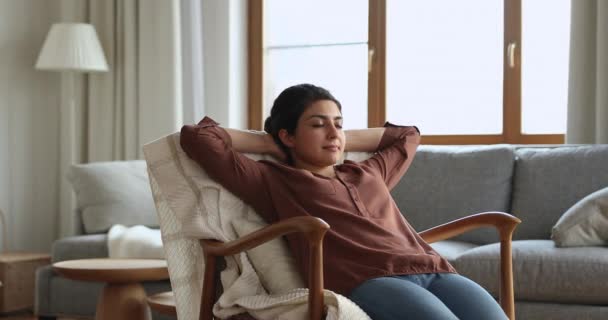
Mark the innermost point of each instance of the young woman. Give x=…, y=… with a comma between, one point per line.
x=371, y=254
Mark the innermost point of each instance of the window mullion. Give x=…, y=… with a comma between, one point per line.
x=376, y=101
x=512, y=72
x=255, y=83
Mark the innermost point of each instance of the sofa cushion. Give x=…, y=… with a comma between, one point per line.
x=80, y=247
x=585, y=223
x=109, y=193
x=558, y=311
x=548, y=181
x=542, y=272
x=449, y=182
x=451, y=250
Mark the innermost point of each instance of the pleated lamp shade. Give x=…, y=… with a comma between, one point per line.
x=72, y=47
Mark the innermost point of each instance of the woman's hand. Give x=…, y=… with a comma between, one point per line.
x=252, y=141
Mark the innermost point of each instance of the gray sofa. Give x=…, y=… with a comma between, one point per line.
x=107, y=193
x=536, y=184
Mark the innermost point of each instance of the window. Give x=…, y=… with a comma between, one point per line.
x=318, y=45
x=410, y=61
x=453, y=68
x=545, y=52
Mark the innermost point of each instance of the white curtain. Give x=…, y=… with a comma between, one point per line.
x=588, y=82
x=192, y=60
x=139, y=99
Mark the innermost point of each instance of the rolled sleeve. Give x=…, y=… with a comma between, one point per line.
x=210, y=146
x=395, y=152
x=399, y=136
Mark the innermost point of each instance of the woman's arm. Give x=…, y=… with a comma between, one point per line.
x=254, y=142
x=211, y=146
x=363, y=140
x=394, y=153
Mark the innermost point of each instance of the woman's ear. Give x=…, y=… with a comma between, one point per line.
x=286, y=138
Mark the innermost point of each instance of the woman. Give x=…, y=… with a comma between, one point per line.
x=371, y=254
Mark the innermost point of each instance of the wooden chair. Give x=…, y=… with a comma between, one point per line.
x=314, y=229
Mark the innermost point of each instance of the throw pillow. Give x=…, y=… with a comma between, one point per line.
x=272, y=260
x=585, y=223
x=109, y=193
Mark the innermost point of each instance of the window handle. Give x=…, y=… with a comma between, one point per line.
x=511, y=54
x=370, y=59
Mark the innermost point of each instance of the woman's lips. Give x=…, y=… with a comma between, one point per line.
x=332, y=148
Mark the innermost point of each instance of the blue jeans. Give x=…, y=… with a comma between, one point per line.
x=440, y=296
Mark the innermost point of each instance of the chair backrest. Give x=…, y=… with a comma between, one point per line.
x=184, y=257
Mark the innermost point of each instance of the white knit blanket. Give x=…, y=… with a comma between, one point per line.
x=135, y=242
x=191, y=206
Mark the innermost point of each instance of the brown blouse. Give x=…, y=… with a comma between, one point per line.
x=368, y=237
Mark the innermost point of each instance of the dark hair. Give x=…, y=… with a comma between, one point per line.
x=289, y=106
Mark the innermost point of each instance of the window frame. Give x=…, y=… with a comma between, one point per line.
x=512, y=113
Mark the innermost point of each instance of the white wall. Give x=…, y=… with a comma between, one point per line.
x=29, y=132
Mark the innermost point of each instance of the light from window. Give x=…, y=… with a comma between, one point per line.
x=316, y=42
x=545, y=54
x=445, y=65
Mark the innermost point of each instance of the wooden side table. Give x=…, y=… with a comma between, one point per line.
x=163, y=303
x=123, y=297
x=17, y=275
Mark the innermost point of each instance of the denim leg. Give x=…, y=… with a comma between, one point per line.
x=465, y=298
x=396, y=298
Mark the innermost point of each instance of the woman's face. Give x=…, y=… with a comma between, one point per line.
x=318, y=142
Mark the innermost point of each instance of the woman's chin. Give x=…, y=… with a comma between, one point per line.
x=334, y=160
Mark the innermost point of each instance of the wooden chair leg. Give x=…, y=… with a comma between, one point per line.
x=208, y=294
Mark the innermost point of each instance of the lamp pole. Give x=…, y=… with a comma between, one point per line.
x=4, y=229
x=68, y=154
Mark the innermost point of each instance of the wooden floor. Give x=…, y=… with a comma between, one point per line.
x=26, y=316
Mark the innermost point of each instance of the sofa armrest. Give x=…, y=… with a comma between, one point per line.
x=80, y=247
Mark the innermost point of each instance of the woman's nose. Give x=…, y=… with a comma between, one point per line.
x=332, y=131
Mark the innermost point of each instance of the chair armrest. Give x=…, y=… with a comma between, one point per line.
x=505, y=224
x=313, y=228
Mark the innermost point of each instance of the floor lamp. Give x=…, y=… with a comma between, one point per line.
x=70, y=48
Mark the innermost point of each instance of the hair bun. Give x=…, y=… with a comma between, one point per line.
x=268, y=125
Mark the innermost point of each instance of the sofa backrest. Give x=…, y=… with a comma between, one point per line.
x=449, y=182
x=548, y=181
